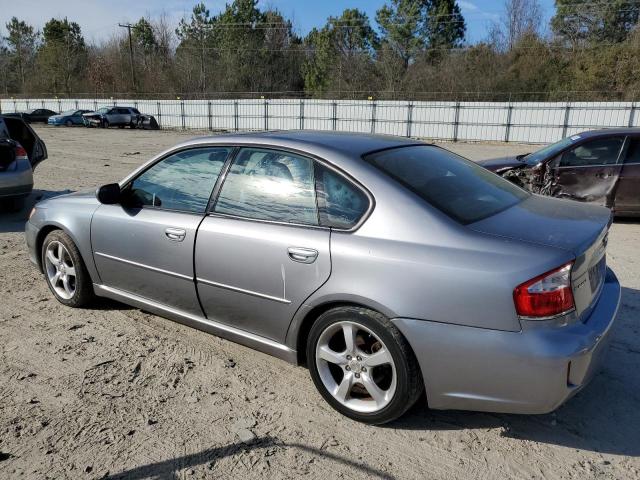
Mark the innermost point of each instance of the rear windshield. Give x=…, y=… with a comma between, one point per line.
x=458, y=187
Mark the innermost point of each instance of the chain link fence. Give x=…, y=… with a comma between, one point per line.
x=522, y=122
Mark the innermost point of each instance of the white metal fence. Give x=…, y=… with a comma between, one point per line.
x=526, y=122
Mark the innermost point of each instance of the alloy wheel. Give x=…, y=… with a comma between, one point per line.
x=356, y=367
x=61, y=272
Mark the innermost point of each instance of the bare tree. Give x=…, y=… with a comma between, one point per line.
x=521, y=18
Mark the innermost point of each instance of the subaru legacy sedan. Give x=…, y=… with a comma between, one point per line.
x=387, y=266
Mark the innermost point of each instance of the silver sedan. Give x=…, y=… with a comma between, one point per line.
x=389, y=267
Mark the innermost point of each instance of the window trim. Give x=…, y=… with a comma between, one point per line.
x=126, y=183
x=317, y=160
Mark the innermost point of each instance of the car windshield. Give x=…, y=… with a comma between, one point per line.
x=549, y=151
x=68, y=113
x=102, y=110
x=454, y=185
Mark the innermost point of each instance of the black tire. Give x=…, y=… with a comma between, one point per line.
x=83, y=294
x=105, y=124
x=68, y=123
x=409, y=383
x=120, y=126
x=133, y=125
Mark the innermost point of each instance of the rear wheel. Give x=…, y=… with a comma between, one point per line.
x=68, y=123
x=362, y=365
x=66, y=274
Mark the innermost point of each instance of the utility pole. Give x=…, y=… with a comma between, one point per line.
x=128, y=26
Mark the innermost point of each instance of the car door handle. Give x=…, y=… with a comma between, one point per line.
x=302, y=255
x=175, y=234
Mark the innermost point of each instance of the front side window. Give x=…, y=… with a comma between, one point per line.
x=454, y=185
x=602, y=151
x=270, y=185
x=341, y=203
x=182, y=181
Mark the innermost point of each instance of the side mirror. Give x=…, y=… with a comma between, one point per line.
x=109, y=194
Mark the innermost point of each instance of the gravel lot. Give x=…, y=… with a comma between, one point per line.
x=114, y=392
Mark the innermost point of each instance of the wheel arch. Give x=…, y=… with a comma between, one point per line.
x=49, y=227
x=309, y=313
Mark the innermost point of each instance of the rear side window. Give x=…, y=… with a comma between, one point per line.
x=633, y=152
x=270, y=185
x=340, y=202
x=454, y=185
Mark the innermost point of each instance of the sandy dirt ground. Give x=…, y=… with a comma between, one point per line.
x=113, y=392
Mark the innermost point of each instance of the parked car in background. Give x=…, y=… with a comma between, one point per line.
x=68, y=118
x=600, y=167
x=147, y=122
x=485, y=295
x=21, y=150
x=112, y=117
x=40, y=115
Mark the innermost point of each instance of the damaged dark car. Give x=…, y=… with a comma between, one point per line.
x=600, y=167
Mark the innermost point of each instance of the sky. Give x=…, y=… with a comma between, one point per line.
x=99, y=18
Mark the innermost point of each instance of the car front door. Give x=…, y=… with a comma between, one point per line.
x=260, y=252
x=589, y=171
x=627, y=198
x=113, y=116
x=145, y=244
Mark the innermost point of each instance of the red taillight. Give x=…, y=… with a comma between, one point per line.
x=546, y=295
x=20, y=151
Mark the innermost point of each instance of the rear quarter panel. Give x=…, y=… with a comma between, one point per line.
x=413, y=262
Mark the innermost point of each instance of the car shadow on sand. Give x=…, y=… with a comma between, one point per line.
x=13, y=222
x=169, y=469
x=604, y=417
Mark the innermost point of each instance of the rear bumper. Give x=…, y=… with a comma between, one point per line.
x=531, y=371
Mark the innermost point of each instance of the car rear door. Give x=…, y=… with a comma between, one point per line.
x=145, y=245
x=627, y=197
x=589, y=171
x=260, y=252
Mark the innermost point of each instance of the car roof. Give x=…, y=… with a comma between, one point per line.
x=610, y=131
x=351, y=144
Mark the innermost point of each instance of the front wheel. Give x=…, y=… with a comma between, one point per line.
x=65, y=272
x=69, y=123
x=362, y=365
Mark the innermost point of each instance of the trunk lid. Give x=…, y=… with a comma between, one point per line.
x=576, y=227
